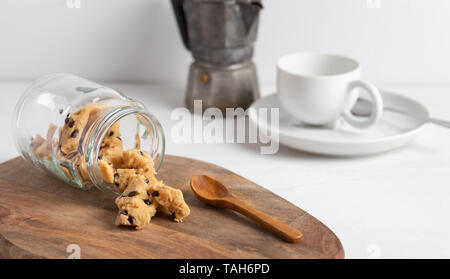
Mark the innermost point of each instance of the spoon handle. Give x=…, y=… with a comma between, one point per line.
x=274, y=225
x=440, y=122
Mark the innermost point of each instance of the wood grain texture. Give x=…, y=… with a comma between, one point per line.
x=40, y=216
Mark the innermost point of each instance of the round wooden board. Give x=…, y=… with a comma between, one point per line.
x=41, y=216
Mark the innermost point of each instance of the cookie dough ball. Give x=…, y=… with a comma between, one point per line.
x=171, y=199
x=123, y=177
x=110, y=153
x=136, y=205
x=41, y=147
x=106, y=171
x=74, y=126
x=112, y=147
x=140, y=161
x=137, y=217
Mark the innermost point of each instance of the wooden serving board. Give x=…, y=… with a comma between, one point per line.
x=40, y=216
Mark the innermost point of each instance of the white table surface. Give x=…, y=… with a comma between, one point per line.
x=392, y=205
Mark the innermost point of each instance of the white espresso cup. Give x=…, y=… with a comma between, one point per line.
x=320, y=89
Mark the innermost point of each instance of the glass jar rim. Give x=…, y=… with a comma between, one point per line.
x=99, y=130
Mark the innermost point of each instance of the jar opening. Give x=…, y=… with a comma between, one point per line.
x=138, y=129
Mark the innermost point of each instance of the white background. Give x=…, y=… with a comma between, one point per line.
x=391, y=205
x=403, y=41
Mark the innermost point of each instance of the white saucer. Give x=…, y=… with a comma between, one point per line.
x=393, y=130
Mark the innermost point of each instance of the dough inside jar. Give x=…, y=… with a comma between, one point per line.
x=131, y=171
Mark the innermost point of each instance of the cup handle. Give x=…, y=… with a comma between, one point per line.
x=377, y=103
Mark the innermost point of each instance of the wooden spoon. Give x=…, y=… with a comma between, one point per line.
x=212, y=192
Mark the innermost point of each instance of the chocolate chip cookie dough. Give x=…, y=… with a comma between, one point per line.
x=142, y=194
x=131, y=172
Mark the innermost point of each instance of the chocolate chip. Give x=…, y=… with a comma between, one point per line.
x=117, y=184
x=142, y=154
x=71, y=123
x=111, y=133
x=124, y=212
x=74, y=134
x=116, y=175
x=155, y=194
x=100, y=157
x=147, y=181
x=66, y=120
x=148, y=202
x=132, y=194
x=131, y=219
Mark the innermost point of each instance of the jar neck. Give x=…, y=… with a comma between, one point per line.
x=99, y=129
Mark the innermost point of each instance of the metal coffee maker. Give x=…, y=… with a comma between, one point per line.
x=220, y=34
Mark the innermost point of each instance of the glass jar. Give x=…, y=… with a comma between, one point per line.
x=44, y=109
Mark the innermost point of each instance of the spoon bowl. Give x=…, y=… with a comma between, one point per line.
x=208, y=187
x=211, y=191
